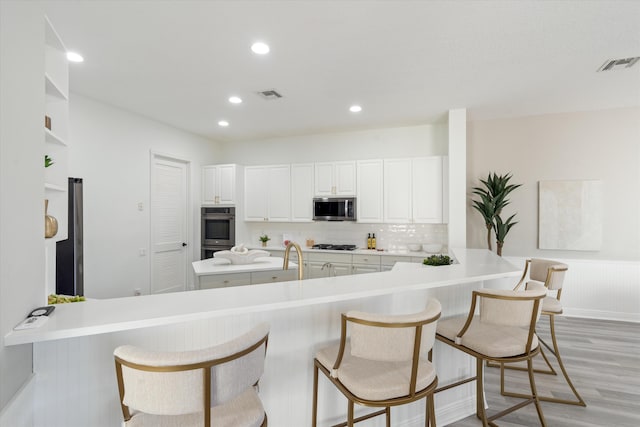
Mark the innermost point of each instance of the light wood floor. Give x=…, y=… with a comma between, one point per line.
x=603, y=361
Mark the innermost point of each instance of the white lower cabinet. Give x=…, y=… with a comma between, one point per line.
x=363, y=269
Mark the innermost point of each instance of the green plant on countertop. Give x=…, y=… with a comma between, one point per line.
x=264, y=238
x=438, y=260
x=48, y=161
x=493, y=198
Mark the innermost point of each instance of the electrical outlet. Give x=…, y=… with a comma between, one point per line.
x=142, y=251
x=140, y=206
x=137, y=292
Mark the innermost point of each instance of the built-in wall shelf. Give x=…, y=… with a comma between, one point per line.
x=53, y=138
x=53, y=90
x=53, y=187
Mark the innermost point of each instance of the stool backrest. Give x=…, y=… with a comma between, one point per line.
x=549, y=272
x=392, y=338
x=178, y=383
x=509, y=307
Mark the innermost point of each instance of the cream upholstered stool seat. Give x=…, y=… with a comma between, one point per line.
x=504, y=330
x=385, y=362
x=215, y=386
x=547, y=275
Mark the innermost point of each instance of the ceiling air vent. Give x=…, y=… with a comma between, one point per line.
x=616, y=64
x=269, y=94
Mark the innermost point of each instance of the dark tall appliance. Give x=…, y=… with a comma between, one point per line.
x=69, y=259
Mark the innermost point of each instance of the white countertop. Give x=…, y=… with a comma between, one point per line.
x=207, y=267
x=110, y=315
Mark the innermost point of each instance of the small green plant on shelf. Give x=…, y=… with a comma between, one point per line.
x=264, y=239
x=438, y=260
x=48, y=161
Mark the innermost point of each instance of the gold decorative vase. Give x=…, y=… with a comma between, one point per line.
x=50, y=223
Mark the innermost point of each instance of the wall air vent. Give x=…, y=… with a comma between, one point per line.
x=616, y=64
x=269, y=94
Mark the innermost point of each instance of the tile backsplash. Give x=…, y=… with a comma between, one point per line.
x=391, y=237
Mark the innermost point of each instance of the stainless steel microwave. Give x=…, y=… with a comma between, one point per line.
x=334, y=209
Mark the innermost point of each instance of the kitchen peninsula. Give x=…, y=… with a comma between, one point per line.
x=219, y=273
x=73, y=351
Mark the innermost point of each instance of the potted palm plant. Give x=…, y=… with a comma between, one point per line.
x=493, y=198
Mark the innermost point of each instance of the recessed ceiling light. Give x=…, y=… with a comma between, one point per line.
x=355, y=108
x=260, y=48
x=223, y=123
x=74, y=57
x=235, y=100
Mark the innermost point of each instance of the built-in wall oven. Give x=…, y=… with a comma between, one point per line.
x=218, y=229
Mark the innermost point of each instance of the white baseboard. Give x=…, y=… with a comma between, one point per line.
x=601, y=314
x=19, y=410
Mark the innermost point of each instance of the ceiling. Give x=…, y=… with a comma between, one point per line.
x=404, y=62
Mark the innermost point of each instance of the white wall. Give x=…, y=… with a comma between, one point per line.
x=598, y=145
x=110, y=149
x=426, y=140
x=21, y=183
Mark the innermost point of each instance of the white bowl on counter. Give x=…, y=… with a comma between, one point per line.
x=414, y=247
x=432, y=248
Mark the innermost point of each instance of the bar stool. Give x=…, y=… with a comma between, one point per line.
x=213, y=386
x=386, y=362
x=504, y=331
x=549, y=276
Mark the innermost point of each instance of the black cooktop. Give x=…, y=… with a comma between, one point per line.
x=329, y=246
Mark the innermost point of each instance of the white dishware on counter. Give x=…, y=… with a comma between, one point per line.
x=241, y=255
x=414, y=247
x=432, y=248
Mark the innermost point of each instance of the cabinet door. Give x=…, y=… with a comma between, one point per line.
x=279, y=193
x=317, y=269
x=370, y=188
x=427, y=189
x=255, y=193
x=344, y=179
x=340, y=269
x=227, y=184
x=302, y=192
x=323, y=179
x=397, y=190
x=209, y=184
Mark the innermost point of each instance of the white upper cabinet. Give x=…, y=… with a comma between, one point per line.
x=302, y=192
x=427, y=189
x=370, y=189
x=335, y=179
x=267, y=193
x=397, y=190
x=413, y=190
x=219, y=184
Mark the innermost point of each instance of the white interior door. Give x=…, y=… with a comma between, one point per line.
x=169, y=213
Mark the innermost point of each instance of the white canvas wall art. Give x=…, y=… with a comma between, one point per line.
x=570, y=215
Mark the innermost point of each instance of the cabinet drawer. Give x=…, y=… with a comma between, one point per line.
x=274, y=276
x=224, y=280
x=366, y=259
x=331, y=257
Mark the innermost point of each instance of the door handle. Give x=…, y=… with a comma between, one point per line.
x=184, y=244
